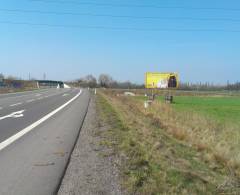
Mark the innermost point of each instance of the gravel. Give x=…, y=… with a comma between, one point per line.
x=90, y=172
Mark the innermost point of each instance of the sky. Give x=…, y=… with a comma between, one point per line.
x=68, y=39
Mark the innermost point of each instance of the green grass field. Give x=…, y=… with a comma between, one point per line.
x=222, y=109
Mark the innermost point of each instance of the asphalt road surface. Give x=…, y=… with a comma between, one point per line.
x=38, y=131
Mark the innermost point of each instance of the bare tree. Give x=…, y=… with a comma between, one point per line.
x=105, y=80
x=1, y=77
x=88, y=81
x=91, y=81
x=10, y=77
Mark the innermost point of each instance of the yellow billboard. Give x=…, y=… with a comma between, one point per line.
x=158, y=80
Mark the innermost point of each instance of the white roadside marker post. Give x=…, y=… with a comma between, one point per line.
x=146, y=104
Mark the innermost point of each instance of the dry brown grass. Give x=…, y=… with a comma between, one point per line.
x=221, y=141
x=192, y=162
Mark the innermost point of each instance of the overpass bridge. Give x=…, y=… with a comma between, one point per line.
x=18, y=84
x=50, y=84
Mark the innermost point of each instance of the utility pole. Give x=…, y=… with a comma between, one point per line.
x=44, y=76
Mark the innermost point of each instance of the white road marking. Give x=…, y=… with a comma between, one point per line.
x=16, y=104
x=40, y=98
x=21, y=133
x=30, y=93
x=5, y=94
x=38, y=94
x=65, y=94
x=28, y=101
x=17, y=114
x=1, y=108
x=46, y=96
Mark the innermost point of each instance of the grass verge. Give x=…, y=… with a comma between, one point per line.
x=154, y=162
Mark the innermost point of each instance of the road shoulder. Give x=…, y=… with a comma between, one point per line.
x=90, y=170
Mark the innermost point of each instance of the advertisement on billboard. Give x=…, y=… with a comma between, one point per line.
x=158, y=80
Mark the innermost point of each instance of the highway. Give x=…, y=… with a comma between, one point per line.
x=38, y=130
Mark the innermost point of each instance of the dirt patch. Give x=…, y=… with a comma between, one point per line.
x=92, y=168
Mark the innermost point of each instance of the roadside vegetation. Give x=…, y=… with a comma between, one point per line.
x=172, y=149
x=12, y=84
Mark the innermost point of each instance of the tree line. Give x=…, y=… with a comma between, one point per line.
x=106, y=81
x=9, y=77
x=209, y=86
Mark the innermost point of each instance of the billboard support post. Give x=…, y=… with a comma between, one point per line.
x=169, y=97
x=157, y=80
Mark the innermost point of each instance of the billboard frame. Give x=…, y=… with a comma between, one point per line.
x=167, y=75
